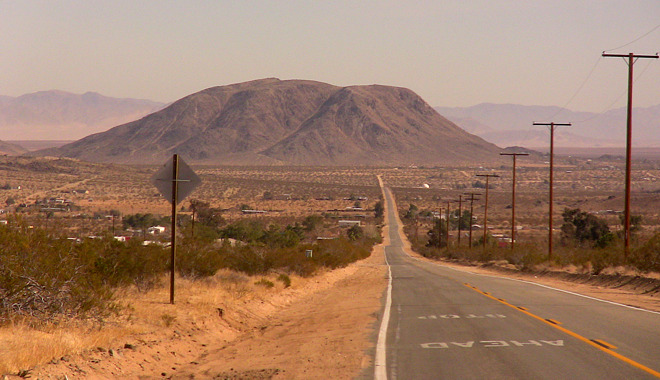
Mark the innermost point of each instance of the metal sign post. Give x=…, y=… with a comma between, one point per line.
x=175, y=180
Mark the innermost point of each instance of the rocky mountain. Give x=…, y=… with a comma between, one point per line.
x=59, y=115
x=298, y=122
x=510, y=124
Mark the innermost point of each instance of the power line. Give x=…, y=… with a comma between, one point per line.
x=563, y=108
x=618, y=98
x=635, y=40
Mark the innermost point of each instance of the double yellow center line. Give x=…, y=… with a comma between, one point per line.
x=599, y=344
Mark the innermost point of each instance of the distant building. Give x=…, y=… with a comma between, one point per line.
x=254, y=211
x=156, y=230
x=349, y=223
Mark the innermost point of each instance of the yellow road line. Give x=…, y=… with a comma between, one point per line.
x=599, y=344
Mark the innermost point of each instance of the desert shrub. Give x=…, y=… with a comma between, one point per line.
x=379, y=210
x=141, y=221
x=290, y=236
x=605, y=257
x=436, y=234
x=647, y=256
x=205, y=214
x=411, y=213
x=341, y=252
x=265, y=283
x=244, y=230
x=582, y=227
x=120, y=264
x=247, y=259
x=311, y=222
x=284, y=279
x=195, y=260
x=44, y=276
x=355, y=232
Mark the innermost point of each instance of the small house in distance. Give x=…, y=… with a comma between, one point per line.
x=349, y=223
x=156, y=230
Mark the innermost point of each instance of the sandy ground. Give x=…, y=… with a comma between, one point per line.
x=326, y=329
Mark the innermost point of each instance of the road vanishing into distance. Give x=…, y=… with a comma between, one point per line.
x=443, y=323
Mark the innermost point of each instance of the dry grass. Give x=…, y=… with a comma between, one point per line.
x=148, y=317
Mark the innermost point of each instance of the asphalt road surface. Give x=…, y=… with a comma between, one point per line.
x=444, y=323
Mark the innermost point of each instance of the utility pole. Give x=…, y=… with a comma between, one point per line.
x=439, y=227
x=488, y=176
x=632, y=58
x=551, y=126
x=175, y=197
x=439, y=223
x=460, y=218
x=447, y=217
x=472, y=199
x=513, y=196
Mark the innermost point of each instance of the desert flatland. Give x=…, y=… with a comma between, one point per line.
x=220, y=321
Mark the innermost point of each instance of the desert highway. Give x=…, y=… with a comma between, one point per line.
x=443, y=323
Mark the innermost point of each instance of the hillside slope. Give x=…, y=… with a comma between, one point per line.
x=270, y=121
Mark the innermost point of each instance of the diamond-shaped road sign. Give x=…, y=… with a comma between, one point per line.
x=187, y=180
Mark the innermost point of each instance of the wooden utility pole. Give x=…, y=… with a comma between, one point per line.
x=551, y=126
x=447, y=217
x=439, y=223
x=460, y=218
x=472, y=199
x=632, y=58
x=486, y=210
x=439, y=227
x=513, y=196
x=175, y=190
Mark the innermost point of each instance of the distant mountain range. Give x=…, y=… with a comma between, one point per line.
x=511, y=124
x=59, y=115
x=298, y=122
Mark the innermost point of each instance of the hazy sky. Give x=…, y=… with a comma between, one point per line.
x=451, y=52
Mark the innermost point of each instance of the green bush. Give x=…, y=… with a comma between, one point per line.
x=44, y=276
x=647, y=256
x=285, y=279
x=265, y=283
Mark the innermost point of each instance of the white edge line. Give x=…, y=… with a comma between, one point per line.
x=550, y=287
x=380, y=362
x=380, y=365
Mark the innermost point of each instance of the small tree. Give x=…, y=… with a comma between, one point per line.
x=379, y=210
x=311, y=222
x=583, y=226
x=436, y=234
x=355, y=232
x=635, y=222
x=412, y=212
